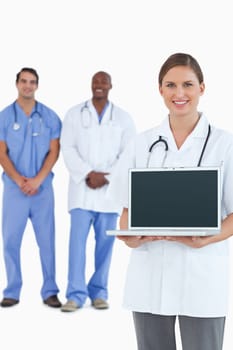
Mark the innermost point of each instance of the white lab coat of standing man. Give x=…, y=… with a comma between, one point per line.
x=94, y=135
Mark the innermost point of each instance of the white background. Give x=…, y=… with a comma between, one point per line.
x=67, y=41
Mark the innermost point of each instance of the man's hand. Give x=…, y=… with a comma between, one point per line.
x=96, y=179
x=30, y=186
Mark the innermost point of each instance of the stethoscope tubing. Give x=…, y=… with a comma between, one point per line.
x=86, y=107
x=160, y=139
x=16, y=125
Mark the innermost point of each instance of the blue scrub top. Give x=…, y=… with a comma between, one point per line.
x=27, y=151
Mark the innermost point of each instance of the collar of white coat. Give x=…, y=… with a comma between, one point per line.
x=199, y=131
x=164, y=130
x=107, y=115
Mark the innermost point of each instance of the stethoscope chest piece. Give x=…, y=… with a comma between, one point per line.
x=16, y=126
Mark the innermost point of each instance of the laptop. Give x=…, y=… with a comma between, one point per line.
x=173, y=202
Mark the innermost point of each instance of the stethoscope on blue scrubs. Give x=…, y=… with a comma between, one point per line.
x=160, y=139
x=86, y=115
x=35, y=115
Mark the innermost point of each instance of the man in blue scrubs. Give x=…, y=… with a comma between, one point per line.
x=29, y=148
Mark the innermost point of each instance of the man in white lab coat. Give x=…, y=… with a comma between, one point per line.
x=93, y=137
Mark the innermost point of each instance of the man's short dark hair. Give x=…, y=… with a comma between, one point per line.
x=30, y=70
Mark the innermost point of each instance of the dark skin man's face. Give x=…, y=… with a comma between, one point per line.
x=101, y=84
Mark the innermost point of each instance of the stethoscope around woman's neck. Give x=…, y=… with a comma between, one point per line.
x=162, y=140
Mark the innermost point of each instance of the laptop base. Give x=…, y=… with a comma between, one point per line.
x=159, y=233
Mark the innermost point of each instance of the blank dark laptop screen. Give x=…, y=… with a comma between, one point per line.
x=173, y=198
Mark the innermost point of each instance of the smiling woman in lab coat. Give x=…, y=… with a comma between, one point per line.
x=184, y=277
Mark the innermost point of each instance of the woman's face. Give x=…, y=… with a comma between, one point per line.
x=181, y=91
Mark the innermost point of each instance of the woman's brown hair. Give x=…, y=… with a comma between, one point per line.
x=181, y=59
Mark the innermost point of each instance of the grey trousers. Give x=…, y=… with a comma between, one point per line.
x=157, y=332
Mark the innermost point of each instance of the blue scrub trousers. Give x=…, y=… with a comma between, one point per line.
x=97, y=287
x=17, y=208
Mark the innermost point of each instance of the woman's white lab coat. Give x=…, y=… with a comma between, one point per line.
x=170, y=278
x=89, y=145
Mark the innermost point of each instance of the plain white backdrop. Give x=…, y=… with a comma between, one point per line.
x=67, y=41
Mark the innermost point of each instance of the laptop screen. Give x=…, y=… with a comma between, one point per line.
x=174, y=198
